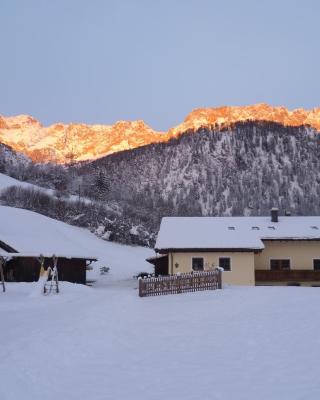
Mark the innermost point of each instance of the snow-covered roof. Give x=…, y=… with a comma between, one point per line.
x=32, y=234
x=233, y=232
x=157, y=257
x=33, y=254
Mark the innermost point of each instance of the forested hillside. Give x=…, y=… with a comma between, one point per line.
x=243, y=170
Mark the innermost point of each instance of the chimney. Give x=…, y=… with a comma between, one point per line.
x=274, y=214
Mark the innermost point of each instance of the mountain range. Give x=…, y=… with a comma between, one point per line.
x=224, y=161
x=67, y=143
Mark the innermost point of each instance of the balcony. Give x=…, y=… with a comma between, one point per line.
x=287, y=276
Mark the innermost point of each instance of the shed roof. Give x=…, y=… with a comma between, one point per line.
x=9, y=256
x=151, y=260
x=31, y=234
x=233, y=232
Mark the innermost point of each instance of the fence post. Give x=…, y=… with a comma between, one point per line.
x=140, y=287
x=2, y=274
x=178, y=284
x=219, y=279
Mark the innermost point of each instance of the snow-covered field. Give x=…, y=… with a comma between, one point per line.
x=104, y=342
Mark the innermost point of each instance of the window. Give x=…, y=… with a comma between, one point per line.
x=277, y=265
x=197, y=263
x=316, y=264
x=224, y=262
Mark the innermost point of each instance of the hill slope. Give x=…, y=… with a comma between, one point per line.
x=27, y=231
x=245, y=169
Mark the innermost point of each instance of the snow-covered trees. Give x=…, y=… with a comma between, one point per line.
x=90, y=215
x=246, y=169
x=100, y=185
x=251, y=167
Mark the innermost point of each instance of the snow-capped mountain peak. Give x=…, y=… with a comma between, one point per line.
x=64, y=143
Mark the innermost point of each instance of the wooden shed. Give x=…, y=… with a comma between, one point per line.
x=27, y=239
x=19, y=267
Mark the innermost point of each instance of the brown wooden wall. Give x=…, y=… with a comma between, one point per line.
x=291, y=275
x=161, y=266
x=27, y=269
x=72, y=270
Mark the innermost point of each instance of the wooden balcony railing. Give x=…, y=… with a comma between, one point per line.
x=291, y=275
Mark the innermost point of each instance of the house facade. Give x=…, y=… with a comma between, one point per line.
x=251, y=250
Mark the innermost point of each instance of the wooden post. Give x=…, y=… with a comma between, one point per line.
x=42, y=271
x=219, y=279
x=55, y=272
x=140, y=288
x=2, y=274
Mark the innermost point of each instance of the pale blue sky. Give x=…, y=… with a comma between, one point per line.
x=101, y=61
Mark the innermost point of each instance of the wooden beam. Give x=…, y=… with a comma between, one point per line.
x=7, y=248
x=208, y=250
x=2, y=274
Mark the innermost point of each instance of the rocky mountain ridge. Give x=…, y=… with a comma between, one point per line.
x=67, y=143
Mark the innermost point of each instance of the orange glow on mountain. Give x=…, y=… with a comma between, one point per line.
x=225, y=116
x=65, y=143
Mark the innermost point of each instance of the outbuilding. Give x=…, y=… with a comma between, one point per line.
x=28, y=239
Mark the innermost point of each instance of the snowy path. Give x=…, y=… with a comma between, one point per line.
x=107, y=343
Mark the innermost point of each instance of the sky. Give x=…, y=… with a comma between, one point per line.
x=102, y=61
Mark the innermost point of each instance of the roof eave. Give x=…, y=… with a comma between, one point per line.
x=207, y=250
x=291, y=238
x=45, y=255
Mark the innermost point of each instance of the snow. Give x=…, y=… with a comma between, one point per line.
x=29, y=232
x=6, y=181
x=105, y=342
x=85, y=141
x=134, y=230
x=204, y=233
x=218, y=232
x=32, y=233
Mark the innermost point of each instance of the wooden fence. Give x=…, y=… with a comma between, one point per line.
x=191, y=282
